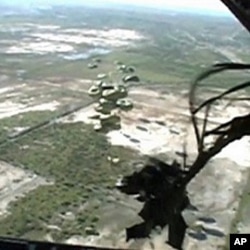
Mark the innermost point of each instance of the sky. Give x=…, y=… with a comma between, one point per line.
x=209, y=5
x=196, y=5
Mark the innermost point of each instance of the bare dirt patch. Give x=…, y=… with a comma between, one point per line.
x=64, y=41
x=14, y=183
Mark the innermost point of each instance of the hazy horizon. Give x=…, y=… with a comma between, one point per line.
x=206, y=6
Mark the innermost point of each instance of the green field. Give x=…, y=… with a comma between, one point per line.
x=68, y=155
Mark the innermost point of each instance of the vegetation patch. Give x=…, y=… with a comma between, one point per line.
x=74, y=156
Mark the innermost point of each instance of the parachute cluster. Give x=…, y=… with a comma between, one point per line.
x=111, y=96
